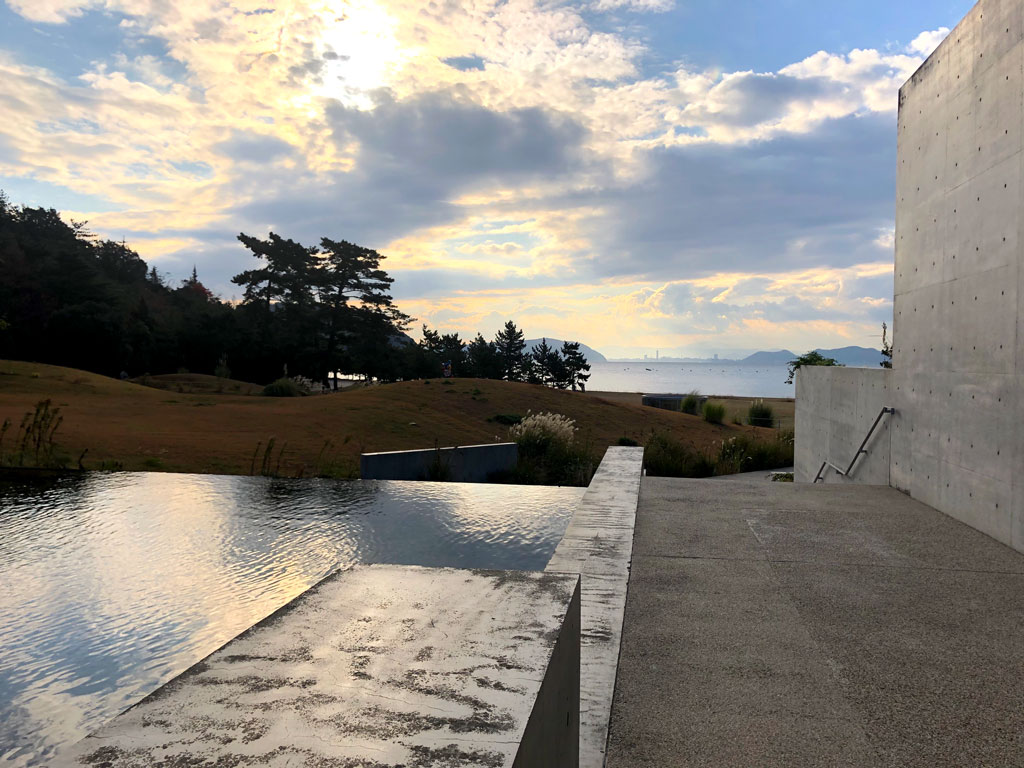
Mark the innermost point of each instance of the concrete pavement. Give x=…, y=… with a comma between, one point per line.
x=773, y=624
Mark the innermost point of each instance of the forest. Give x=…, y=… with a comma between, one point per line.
x=68, y=297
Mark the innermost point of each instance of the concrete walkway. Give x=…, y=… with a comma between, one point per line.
x=792, y=625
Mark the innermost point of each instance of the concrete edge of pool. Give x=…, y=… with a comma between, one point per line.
x=598, y=545
x=384, y=665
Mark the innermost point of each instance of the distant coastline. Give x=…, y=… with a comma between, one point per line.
x=850, y=356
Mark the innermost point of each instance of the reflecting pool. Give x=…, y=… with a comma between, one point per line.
x=111, y=584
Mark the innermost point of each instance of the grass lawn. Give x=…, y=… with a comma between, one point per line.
x=127, y=425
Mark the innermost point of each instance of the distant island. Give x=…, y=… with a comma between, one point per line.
x=592, y=355
x=855, y=357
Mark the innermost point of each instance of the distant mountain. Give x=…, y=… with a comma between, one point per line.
x=855, y=357
x=592, y=355
x=781, y=357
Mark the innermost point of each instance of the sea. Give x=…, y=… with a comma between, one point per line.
x=652, y=376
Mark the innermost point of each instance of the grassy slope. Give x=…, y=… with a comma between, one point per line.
x=144, y=428
x=199, y=384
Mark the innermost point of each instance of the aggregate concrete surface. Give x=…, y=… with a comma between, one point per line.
x=376, y=666
x=792, y=625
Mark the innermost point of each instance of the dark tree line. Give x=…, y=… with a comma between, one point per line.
x=504, y=358
x=70, y=298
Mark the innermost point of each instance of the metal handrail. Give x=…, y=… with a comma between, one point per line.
x=860, y=451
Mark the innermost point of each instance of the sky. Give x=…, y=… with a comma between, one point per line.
x=687, y=176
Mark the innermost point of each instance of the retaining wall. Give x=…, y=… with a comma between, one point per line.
x=835, y=408
x=462, y=464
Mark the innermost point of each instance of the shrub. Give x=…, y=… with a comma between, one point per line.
x=282, y=388
x=760, y=415
x=691, y=403
x=34, y=443
x=744, y=454
x=548, y=452
x=665, y=456
x=714, y=413
x=701, y=464
x=627, y=441
x=539, y=432
x=307, y=385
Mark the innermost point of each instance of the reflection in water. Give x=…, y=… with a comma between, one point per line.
x=111, y=584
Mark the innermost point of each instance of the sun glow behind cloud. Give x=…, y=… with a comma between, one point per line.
x=512, y=159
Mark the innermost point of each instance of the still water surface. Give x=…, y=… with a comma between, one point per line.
x=707, y=378
x=111, y=584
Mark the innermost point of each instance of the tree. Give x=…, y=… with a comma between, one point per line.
x=482, y=359
x=509, y=344
x=348, y=280
x=811, y=358
x=543, y=362
x=431, y=341
x=577, y=369
x=886, y=348
x=453, y=351
x=287, y=274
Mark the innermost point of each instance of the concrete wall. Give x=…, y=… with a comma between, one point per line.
x=958, y=367
x=958, y=330
x=463, y=464
x=835, y=408
x=598, y=544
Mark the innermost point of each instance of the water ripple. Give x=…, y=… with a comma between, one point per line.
x=111, y=584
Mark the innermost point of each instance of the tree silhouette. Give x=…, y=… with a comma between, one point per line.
x=509, y=344
x=482, y=359
x=577, y=369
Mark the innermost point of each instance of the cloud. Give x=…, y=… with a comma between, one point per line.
x=52, y=11
x=649, y=6
x=411, y=161
x=251, y=147
x=793, y=201
x=511, y=151
x=927, y=42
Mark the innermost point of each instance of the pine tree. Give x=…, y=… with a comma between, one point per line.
x=541, y=354
x=577, y=369
x=482, y=359
x=510, y=344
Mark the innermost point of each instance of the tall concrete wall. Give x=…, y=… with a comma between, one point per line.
x=958, y=338
x=958, y=368
x=835, y=408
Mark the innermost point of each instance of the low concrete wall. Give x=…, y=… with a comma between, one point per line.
x=598, y=544
x=462, y=464
x=377, y=665
x=835, y=408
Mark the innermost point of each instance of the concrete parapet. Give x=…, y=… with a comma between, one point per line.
x=461, y=464
x=376, y=666
x=598, y=544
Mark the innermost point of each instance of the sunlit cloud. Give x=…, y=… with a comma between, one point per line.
x=511, y=159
